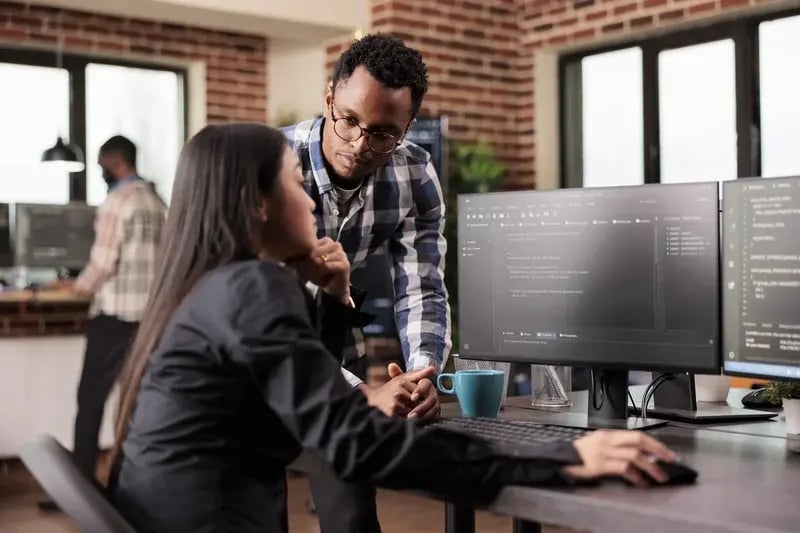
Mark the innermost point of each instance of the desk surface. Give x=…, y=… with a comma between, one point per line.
x=746, y=483
x=48, y=295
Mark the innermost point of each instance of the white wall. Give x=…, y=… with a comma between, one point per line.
x=339, y=13
x=296, y=80
x=546, y=125
x=299, y=20
x=38, y=390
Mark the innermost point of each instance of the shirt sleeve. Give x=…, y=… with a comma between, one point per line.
x=303, y=385
x=418, y=250
x=109, y=229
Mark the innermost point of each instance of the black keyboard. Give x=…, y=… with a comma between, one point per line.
x=516, y=432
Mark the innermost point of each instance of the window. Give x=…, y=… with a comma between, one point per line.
x=612, y=118
x=143, y=105
x=697, y=112
x=34, y=106
x=84, y=100
x=714, y=103
x=780, y=105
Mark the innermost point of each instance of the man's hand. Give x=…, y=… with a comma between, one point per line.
x=394, y=397
x=327, y=267
x=424, y=396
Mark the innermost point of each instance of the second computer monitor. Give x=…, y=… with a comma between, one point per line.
x=624, y=277
x=761, y=278
x=53, y=236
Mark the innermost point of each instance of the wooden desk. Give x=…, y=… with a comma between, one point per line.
x=44, y=296
x=747, y=483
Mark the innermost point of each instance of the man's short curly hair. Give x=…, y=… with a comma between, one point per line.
x=389, y=61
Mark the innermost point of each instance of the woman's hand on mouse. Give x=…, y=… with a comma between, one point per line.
x=625, y=454
x=327, y=267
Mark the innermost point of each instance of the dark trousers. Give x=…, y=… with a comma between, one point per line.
x=345, y=507
x=107, y=341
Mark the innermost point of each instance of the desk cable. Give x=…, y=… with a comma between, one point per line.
x=651, y=389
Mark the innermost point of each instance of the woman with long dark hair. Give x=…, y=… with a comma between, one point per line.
x=228, y=380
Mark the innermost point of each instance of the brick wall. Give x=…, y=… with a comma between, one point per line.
x=471, y=50
x=236, y=64
x=481, y=55
x=34, y=318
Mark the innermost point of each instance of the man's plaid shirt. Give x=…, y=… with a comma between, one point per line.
x=400, y=203
x=122, y=263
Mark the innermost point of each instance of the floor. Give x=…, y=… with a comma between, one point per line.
x=399, y=512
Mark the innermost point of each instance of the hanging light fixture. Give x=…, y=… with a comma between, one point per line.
x=66, y=157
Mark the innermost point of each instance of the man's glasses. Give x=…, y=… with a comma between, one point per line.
x=348, y=129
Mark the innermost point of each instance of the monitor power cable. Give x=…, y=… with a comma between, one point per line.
x=651, y=390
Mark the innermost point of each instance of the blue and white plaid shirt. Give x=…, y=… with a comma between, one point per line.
x=401, y=203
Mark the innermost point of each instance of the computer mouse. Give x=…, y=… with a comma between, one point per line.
x=678, y=473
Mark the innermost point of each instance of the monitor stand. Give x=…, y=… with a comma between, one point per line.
x=608, y=403
x=676, y=400
x=606, y=407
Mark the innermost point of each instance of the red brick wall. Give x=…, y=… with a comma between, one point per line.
x=33, y=318
x=236, y=64
x=471, y=50
x=481, y=52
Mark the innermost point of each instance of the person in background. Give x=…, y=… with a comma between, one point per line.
x=372, y=187
x=119, y=274
x=229, y=378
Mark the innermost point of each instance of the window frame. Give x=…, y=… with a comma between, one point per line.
x=75, y=65
x=745, y=35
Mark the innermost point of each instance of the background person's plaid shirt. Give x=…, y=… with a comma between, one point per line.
x=400, y=203
x=123, y=258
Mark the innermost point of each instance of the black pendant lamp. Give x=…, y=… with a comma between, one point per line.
x=65, y=157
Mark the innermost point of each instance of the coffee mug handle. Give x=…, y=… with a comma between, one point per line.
x=440, y=385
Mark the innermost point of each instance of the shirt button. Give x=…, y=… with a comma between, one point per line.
x=336, y=212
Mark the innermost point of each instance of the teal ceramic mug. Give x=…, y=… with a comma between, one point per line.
x=479, y=392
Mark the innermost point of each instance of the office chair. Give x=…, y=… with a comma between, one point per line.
x=80, y=498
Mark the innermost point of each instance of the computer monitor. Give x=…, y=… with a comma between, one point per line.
x=6, y=253
x=614, y=279
x=53, y=236
x=761, y=278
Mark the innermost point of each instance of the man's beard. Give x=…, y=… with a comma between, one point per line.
x=109, y=179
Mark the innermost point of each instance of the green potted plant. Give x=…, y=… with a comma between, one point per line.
x=789, y=394
x=478, y=167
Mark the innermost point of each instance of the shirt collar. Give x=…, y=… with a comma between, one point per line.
x=126, y=179
x=318, y=168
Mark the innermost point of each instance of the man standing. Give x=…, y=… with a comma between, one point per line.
x=372, y=187
x=120, y=271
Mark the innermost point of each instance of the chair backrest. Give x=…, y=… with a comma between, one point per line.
x=80, y=498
